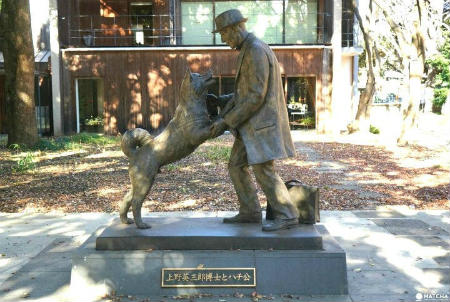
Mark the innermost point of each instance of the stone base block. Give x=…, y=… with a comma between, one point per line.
x=298, y=272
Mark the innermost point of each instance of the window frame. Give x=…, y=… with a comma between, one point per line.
x=319, y=31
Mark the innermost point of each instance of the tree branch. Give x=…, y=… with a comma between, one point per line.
x=403, y=42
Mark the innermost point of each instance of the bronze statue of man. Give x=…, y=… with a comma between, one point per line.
x=257, y=112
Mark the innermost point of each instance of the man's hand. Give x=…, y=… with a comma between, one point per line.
x=218, y=128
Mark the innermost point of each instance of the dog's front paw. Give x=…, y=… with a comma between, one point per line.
x=143, y=225
x=126, y=220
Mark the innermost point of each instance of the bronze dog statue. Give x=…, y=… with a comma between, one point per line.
x=189, y=128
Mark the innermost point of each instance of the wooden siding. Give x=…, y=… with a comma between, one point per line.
x=141, y=87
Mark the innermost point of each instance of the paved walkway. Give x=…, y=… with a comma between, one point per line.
x=393, y=254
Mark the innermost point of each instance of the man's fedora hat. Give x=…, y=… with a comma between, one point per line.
x=228, y=18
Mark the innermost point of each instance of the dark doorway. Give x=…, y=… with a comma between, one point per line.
x=301, y=101
x=2, y=105
x=43, y=103
x=89, y=105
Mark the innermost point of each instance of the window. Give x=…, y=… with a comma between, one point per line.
x=265, y=18
x=347, y=23
x=275, y=22
x=196, y=23
x=141, y=22
x=301, y=22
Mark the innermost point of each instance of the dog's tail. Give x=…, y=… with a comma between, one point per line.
x=133, y=139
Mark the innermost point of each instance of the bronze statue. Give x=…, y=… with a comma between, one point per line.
x=257, y=114
x=189, y=128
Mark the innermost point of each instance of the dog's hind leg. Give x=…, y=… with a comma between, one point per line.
x=125, y=206
x=141, y=187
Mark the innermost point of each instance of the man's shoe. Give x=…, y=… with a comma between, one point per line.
x=240, y=218
x=280, y=224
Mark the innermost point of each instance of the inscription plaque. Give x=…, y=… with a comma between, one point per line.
x=208, y=277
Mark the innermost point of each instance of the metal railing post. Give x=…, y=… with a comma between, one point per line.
x=160, y=31
x=93, y=32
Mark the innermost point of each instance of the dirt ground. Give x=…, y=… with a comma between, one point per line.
x=352, y=172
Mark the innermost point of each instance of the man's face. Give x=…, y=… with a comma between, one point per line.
x=229, y=36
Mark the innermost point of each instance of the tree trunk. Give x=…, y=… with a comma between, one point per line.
x=412, y=107
x=416, y=68
x=362, y=119
x=19, y=72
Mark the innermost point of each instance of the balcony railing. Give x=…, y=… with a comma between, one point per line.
x=167, y=30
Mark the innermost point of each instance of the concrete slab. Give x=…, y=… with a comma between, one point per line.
x=52, y=225
x=442, y=274
x=405, y=297
x=26, y=247
x=383, y=282
x=35, y=286
x=439, y=249
x=17, y=251
x=9, y=266
x=378, y=214
x=205, y=234
x=49, y=262
x=438, y=218
x=409, y=227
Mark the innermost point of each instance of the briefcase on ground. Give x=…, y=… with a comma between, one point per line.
x=305, y=198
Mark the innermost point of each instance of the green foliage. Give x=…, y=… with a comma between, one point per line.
x=73, y=142
x=172, y=167
x=308, y=121
x=94, y=121
x=374, y=130
x=440, y=96
x=440, y=64
x=16, y=148
x=218, y=153
x=24, y=164
x=94, y=139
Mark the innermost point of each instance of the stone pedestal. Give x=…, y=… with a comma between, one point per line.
x=130, y=261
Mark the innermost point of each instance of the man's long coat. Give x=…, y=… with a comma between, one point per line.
x=258, y=110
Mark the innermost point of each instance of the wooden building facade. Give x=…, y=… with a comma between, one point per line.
x=141, y=86
x=118, y=74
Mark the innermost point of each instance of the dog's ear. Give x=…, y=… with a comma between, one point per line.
x=187, y=76
x=186, y=83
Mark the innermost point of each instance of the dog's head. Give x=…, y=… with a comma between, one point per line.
x=194, y=85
